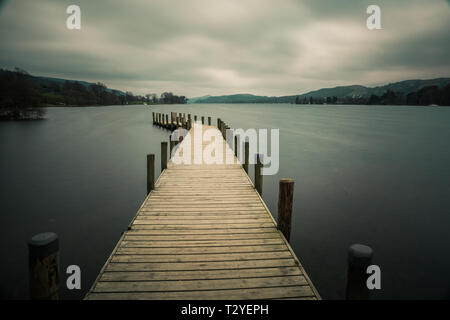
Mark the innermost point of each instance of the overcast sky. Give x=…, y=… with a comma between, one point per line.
x=200, y=47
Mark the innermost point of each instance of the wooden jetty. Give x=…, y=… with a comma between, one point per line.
x=203, y=232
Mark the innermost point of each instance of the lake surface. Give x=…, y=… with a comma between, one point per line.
x=377, y=175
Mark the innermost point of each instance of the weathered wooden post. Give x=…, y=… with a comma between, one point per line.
x=235, y=146
x=153, y=114
x=359, y=258
x=177, y=119
x=258, y=175
x=150, y=172
x=43, y=264
x=218, y=123
x=209, y=121
x=195, y=118
x=222, y=128
x=189, y=116
x=163, y=155
x=246, y=156
x=172, y=145
x=167, y=121
x=285, y=200
x=203, y=120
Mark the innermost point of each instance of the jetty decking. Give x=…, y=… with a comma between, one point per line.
x=203, y=233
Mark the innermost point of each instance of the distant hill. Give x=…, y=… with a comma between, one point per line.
x=403, y=87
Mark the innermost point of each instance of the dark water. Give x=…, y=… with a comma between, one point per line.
x=373, y=175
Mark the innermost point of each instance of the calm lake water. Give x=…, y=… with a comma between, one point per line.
x=373, y=175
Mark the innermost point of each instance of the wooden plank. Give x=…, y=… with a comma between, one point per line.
x=211, y=265
x=200, y=257
x=203, y=226
x=201, y=250
x=181, y=285
x=140, y=237
x=235, y=294
x=199, y=274
x=199, y=243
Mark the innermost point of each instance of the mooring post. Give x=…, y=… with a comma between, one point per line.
x=218, y=123
x=235, y=146
x=163, y=155
x=167, y=120
x=359, y=258
x=43, y=264
x=209, y=121
x=258, y=175
x=150, y=172
x=177, y=120
x=195, y=118
x=246, y=156
x=203, y=120
x=285, y=200
x=153, y=114
x=172, y=145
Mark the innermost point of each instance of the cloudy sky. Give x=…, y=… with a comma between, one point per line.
x=199, y=47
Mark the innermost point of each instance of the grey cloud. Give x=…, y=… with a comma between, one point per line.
x=201, y=47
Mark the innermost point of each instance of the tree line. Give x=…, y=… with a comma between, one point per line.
x=23, y=96
x=431, y=95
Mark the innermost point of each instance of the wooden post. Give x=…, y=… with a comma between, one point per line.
x=195, y=118
x=209, y=121
x=43, y=264
x=359, y=258
x=189, y=117
x=150, y=172
x=177, y=120
x=163, y=155
x=153, y=114
x=172, y=145
x=235, y=146
x=285, y=199
x=167, y=120
x=246, y=155
x=203, y=120
x=258, y=175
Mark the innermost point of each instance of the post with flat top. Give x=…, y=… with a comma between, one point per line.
x=246, y=156
x=235, y=146
x=359, y=258
x=150, y=172
x=285, y=200
x=163, y=155
x=203, y=120
x=43, y=264
x=258, y=175
x=209, y=121
x=153, y=114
